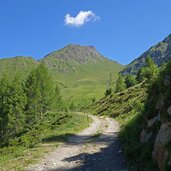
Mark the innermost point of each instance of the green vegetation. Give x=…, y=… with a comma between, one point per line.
x=160, y=53
x=137, y=155
x=124, y=82
x=108, y=92
x=34, y=106
x=86, y=81
x=30, y=147
x=27, y=120
x=20, y=64
x=23, y=104
x=149, y=71
x=136, y=105
x=121, y=103
x=130, y=80
x=80, y=72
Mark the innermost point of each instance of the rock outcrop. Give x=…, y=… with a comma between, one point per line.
x=159, y=127
x=160, y=153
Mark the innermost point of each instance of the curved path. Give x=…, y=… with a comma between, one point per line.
x=94, y=149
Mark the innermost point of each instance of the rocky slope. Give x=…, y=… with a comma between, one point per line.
x=157, y=127
x=75, y=54
x=161, y=53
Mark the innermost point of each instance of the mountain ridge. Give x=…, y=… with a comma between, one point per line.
x=81, y=71
x=160, y=53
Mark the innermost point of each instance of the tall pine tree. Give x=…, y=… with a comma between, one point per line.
x=149, y=71
x=4, y=94
x=120, y=84
x=15, y=107
x=38, y=89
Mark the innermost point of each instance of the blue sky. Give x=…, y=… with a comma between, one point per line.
x=119, y=29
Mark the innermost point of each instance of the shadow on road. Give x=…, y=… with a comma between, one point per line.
x=107, y=159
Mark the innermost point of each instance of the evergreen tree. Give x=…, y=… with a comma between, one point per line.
x=4, y=94
x=108, y=92
x=72, y=106
x=148, y=72
x=38, y=89
x=130, y=80
x=93, y=99
x=33, y=96
x=58, y=98
x=15, y=107
x=120, y=84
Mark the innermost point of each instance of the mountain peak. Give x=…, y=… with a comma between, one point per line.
x=77, y=46
x=76, y=54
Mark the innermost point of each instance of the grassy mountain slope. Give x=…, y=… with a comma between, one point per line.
x=32, y=146
x=160, y=53
x=118, y=104
x=22, y=65
x=81, y=71
x=144, y=112
x=127, y=107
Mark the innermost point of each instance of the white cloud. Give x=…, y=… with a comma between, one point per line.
x=81, y=18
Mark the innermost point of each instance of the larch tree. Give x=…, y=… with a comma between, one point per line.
x=120, y=84
x=15, y=107
x=4, y=94
x=38, y=89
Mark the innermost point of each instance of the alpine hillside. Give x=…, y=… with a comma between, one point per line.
x=160, y=53
x=81, y=72
x=19, y=64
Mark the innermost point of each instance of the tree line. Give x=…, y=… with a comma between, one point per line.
x=23, y=104
x=148, y=72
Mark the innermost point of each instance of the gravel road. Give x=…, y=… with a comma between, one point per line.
x=95, y=149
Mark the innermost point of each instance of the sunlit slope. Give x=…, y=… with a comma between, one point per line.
x=21, y=65
x=82, y=72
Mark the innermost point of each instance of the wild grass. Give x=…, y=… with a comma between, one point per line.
x=55, y=130
x=79, y=85
x=127, y=108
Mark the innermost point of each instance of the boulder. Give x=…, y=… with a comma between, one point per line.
x=145, y=136
x=152, y=121
x=169, y=110
x=160, y=153
x=161, y=157
x=160, y=103
x=167, y=80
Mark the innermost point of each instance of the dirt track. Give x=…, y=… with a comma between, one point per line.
x=94, y=149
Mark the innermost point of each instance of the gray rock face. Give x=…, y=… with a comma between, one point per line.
x=160, y=153
x=152, y=121
x=160, y=103
x=76, y=53
x=167, y=82
x=145, y=136
x=169, y=110
x=164, y=134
